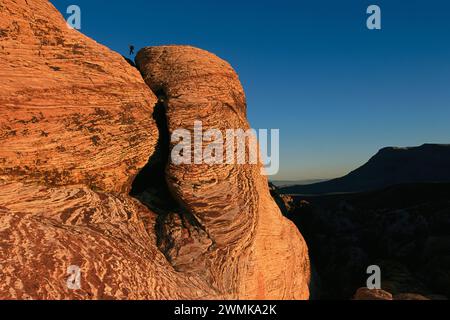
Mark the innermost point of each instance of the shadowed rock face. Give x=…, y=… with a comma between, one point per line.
x=402, y=229
x=77, y=125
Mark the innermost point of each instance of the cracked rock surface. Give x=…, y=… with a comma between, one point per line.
x=78, y=124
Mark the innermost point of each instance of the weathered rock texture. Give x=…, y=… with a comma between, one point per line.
x=77, y=125
x=372, y=294
x=111, y=238
x=248, y=237
x=72, y=111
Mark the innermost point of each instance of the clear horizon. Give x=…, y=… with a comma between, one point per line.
x=337, y=91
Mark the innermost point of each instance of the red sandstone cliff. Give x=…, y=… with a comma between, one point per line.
x=76, y=127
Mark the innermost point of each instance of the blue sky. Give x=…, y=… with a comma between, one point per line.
x=337, y=91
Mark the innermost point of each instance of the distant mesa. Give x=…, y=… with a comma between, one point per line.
x=289, y=183
x=390, y=166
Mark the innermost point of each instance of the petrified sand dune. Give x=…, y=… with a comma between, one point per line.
x=72, y=111
x=45, y=230
x=77, y=125
x=230, y=202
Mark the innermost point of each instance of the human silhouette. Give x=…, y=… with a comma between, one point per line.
x=131, y=50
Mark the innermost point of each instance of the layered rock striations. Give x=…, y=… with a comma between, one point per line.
x=230, y=203
x=72, y=111
x=44, y=231
x=77, y=125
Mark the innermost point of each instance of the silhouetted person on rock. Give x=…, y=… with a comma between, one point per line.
x=131, y=50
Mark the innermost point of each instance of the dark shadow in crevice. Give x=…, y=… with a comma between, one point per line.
x=150, y=186
x=151, y=189
x=131, y=62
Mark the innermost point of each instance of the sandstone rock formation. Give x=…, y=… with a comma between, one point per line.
x=378, y=294
x=372, y=294
x=284, y=202
x=72, y=111
x=78, y=124
x=230, y=203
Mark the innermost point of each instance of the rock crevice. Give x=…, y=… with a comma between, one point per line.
x=80, y=131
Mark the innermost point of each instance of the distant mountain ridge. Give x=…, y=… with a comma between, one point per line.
x=390, y=166
x=288, y=183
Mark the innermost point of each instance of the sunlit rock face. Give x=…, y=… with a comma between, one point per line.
x=77, y=125
x=248, y=237
x=72, y=111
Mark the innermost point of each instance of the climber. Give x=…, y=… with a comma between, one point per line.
x=131, y=49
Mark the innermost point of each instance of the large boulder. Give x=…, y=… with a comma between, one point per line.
x=45, y=231
x=372, y=294
x=72, y=111
x=230, y=202
x=78, y=123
